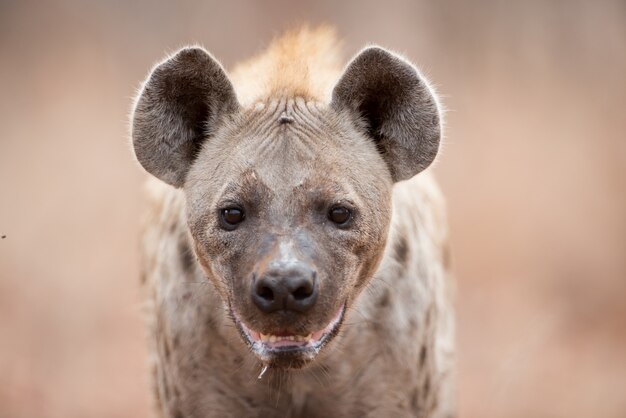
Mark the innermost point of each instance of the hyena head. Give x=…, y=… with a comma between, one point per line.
x=288, y=199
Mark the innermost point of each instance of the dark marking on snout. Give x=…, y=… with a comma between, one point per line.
x=402, y=249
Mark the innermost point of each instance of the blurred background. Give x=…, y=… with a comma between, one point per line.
x=534, y=170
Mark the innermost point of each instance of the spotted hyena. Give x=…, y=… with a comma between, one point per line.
x=296, y=265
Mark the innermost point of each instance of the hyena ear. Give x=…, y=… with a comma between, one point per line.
x=183, y=100
x=399, y=110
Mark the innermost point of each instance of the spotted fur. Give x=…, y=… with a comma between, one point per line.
x=393, y=354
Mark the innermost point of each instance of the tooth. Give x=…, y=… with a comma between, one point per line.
x=264, y=337
x=272, y=338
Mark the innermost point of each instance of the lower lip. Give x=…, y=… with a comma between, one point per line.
x=318, y=338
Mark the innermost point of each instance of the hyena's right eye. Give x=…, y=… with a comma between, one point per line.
x=231, y=217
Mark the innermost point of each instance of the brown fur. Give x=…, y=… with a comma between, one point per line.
x=302, y=63
x=286, y=150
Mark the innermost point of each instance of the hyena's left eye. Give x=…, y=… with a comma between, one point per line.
x=231, y=217
x=340, y=215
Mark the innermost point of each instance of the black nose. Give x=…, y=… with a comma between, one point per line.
x=292, y=288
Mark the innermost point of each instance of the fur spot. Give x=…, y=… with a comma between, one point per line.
x=385, y=299
x=402, y=249
x=166, y=387
x=415, y=402
x=428, y=318
x=166, y=350
x=426, y=388
x=186, y=257
x=422, y=356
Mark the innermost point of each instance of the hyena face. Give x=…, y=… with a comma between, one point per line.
x=288, y=200
x=289, y=208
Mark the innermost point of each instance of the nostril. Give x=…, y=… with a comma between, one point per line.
x=266, y=293
x=303, y=292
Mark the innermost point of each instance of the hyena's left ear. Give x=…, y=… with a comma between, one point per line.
x=184, y=99
x=398, y=107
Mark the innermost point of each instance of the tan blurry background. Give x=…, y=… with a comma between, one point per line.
x=534, y=170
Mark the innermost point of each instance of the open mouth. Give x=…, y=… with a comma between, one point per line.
x=269, y=347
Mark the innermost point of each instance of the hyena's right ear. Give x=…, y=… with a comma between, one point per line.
x=183, y=100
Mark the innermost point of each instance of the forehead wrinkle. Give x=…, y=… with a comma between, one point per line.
x=284, y=154
x=248, y=186
x=288, y=150
x=306, y=116
x=316, y=185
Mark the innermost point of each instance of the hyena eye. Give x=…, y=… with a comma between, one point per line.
x=231, y=217
x=340, y=215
